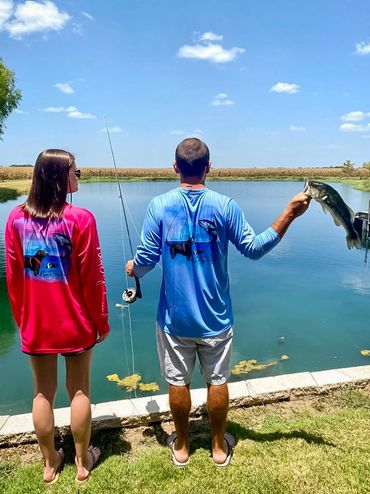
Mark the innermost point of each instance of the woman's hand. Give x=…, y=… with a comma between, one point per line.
x=101, y=337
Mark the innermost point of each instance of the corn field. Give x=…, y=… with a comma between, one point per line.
x=22, y=173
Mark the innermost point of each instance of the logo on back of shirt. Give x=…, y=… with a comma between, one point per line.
x=198, y=245
x=47, y=252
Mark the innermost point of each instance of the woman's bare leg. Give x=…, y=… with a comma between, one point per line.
x=44, y=368
x=78, y=387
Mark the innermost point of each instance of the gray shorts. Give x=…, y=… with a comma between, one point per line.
x=177, y=357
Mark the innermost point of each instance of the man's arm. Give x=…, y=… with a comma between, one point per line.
x=149, y=251
x=296, y=207
x=242, y=235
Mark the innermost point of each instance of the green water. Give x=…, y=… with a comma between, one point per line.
x=308, y=298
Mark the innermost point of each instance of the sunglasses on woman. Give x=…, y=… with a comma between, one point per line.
x=77, y=173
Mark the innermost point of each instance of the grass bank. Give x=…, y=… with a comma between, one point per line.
x=11, y=189
x=311, y=445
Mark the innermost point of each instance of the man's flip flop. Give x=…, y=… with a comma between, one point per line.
x=171, y=444
x=61, y=455
x=94, y=454
x=230, y=441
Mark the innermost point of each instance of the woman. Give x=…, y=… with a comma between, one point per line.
x=57, y=292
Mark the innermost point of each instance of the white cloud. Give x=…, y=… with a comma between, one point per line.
x=350, y=127
x=209, y=36
x=363, y=48
x=64, y=87
x=112, y=130
x=354, y=116
x=31, y=17
x=285, y=87
x=71, y=111
x=77, y=114
x=88, y=16
x=55, y=109
x=222, y=99
x=20, y=112
x=6, y=10
x=214, y=53
x=297, y=128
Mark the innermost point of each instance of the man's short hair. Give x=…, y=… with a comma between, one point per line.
x=192, y=157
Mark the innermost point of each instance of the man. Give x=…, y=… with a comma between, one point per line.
x=191, y=227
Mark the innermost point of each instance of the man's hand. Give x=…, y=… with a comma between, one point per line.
x=298, y=205
x=130, y=268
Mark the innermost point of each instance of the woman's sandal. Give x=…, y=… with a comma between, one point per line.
x=93, y=455
x=55, y=477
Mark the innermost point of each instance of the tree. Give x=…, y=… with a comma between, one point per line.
x=366, y=165
x=10, y=96
x=348, y=167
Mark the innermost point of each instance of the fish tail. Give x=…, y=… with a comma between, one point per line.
x=353, y=241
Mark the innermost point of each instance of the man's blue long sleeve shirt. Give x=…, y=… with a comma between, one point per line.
x=191, y=230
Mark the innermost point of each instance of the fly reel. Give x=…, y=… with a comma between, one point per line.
x=131, y=294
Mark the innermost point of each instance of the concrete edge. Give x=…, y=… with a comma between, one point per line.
x=18, y=429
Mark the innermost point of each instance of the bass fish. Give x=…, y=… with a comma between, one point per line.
x=331, y=201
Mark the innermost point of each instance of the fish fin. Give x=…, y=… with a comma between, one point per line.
x=336, y=221
x=351, y=213
x=324, y=208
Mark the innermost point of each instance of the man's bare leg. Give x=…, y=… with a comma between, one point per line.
x=218, y=405
x=180, y=404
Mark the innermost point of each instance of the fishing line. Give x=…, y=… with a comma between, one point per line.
x=130, y=294
x=130, y=371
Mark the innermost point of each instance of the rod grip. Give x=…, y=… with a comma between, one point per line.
x=138, y=288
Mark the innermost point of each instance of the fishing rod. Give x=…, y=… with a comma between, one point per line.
x=130, y=294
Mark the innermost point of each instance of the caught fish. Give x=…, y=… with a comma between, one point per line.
x=331, y=201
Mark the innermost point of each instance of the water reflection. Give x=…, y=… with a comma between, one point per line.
x=358, y=283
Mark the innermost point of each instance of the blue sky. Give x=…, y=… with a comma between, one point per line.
x=264, y=83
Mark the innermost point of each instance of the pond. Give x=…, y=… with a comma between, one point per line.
x=308, y=299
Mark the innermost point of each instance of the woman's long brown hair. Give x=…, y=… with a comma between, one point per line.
x=49, y=187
